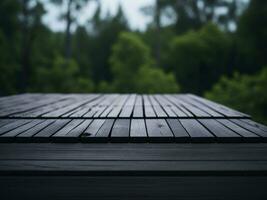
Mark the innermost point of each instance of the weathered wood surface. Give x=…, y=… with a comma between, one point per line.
x=112, y=106
x=123, y=118
x=133, y=159
x=209, y=151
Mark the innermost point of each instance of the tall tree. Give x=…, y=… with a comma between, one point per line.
x=158, y=27
x=199, y=58
x=72, y=9
x=131, y=65
x=193, y=14
x=252, y=37
x=9, y=29
x=156, y=12
x=104, y=31
x=31, y=21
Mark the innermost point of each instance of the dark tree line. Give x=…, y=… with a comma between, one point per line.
x=211, y=47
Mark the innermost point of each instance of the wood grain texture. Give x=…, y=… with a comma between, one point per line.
x=123, y=118
x=158, y=130
x=121, y=130
x=197, y=132
x=194, y=158
x=138, y=131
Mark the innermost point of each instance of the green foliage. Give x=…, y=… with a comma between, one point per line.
x=81, y=51
x=246, y=93
x=8, y=68
x=199, y=58
x=252, y=37
x=9, y=26
x=105, y=87
x=104, y=33
x=193, y=14
x=103, y=59
x=154, y=80
x=133, y=69
x=129, y=54
x=62, y=77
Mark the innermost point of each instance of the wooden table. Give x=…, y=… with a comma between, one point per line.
x=99, y=146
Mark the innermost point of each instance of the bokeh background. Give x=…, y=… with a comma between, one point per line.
x=212, y=48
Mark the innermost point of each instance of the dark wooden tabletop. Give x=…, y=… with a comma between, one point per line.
x=99, y=146
x=123, y=118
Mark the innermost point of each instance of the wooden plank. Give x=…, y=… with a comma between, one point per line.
x=158, y=130
x=103, y=105
x=222, y=133
x=120, y=131
x=218, y=107
x=66, y=129
x=106, y=111
x=30, y=106
x=247, y=135
x=157, y=168
x=138, y=130
x=253, y=123
x=64, y=110
x=110, y=106
x=128, y=107
x=197, y=132
x=138, y=112
x=250, y=128
x=159, y=111
x=104, y=132
x=149, y=111
x=179, y=112
x=94, y=106
x=165, y=105
x=44, y=109
x=200, y=106
x=138, y=107
x=91, y=112
x=118, y=106
x=169, y=111
x=13, y=125
x=191, y=108
x=10, y=135
x=4, y=122
x=78, y=113
x=100, y=111
x=45, y=134
x=90, y=133
x=126, y=111
x=178, y=130
x=72, y=131
x=157, y=108
x=177, y=108
x=67, y=109
x=27, y=135
x=131, y=151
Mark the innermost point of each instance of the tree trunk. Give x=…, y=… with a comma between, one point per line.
x=68, y=33
x=24, y=74
x=158, y=30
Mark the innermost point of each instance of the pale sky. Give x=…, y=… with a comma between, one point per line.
x=131, y=9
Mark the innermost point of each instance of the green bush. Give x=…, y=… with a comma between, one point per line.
x=8, y=68
x=154, y=80
x=133, y=68
x=63, y=76
x=199, y=58
x=246, y=93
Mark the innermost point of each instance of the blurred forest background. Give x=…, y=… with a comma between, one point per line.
x=213, y=48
